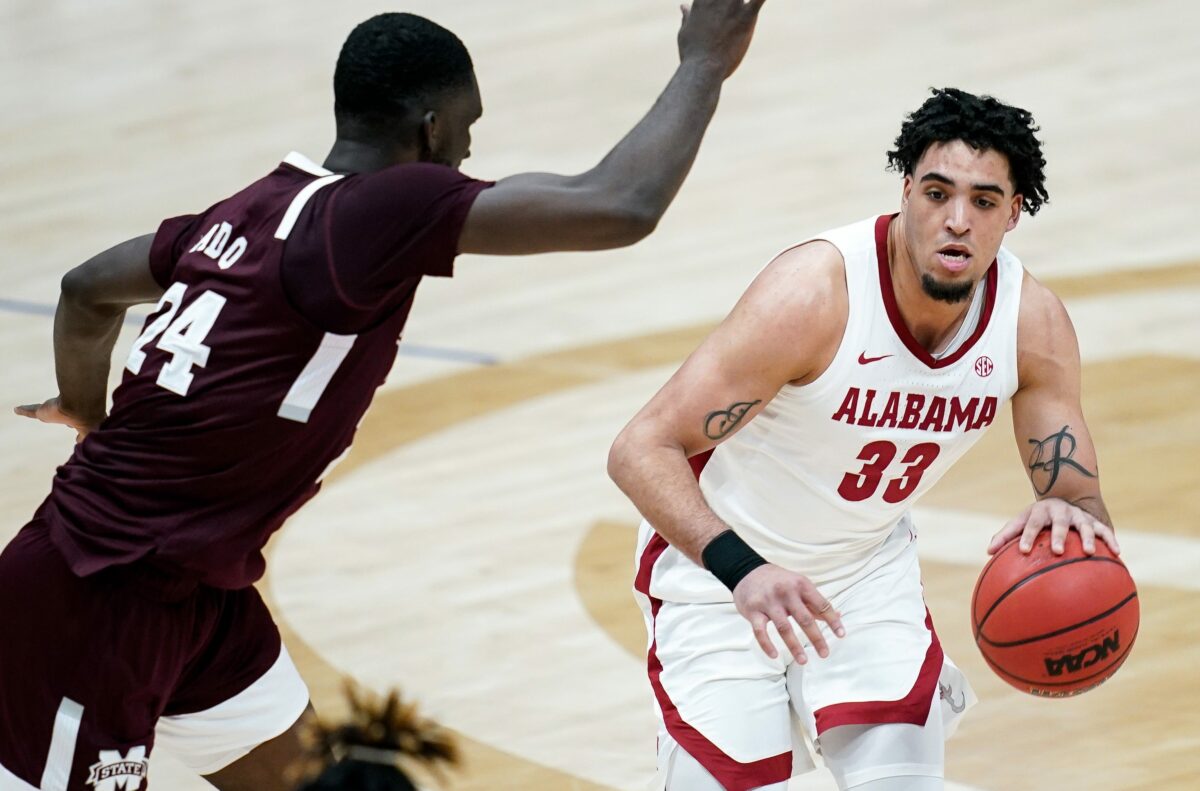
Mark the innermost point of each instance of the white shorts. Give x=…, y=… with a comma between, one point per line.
x=210, y=740
x=746, y=717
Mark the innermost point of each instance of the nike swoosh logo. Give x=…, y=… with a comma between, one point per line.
x=863, y=359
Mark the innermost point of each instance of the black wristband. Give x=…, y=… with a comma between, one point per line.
x=730, y=558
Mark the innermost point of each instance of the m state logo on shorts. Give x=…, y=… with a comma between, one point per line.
x=116, y=772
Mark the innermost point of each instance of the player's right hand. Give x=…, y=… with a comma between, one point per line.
x=770, y=594
x=718, y=30
x=51, y=411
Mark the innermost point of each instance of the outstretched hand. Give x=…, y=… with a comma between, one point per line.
x=771, y=594
x=718, y=30
x=51, y=411
x=1061, y=517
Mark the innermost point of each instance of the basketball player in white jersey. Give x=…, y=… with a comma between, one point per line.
x=856, y=369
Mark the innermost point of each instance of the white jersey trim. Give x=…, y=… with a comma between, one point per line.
x=301, y=162
x=293, y=212
x=317, y=374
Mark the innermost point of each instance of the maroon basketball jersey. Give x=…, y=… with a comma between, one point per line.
x=234, y=401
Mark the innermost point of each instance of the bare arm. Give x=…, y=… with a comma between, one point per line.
x=91, y=307
x=1051, y=433
x=622, y=199
x=786, y=328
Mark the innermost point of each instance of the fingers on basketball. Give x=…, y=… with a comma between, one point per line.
x=1062, y=518
x=1013, y=528
x=1040, y=517
x=1108, y=535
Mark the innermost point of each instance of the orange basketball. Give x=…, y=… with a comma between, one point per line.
x=1054, y=625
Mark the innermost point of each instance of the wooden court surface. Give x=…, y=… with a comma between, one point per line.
x=471, y=548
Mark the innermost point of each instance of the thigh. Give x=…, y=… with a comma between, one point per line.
x=241, y=691
x=890, y=756
x=723, y=701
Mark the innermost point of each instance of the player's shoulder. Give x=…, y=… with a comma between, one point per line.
x=1045, y=335
x=811, y=274
x=1042, y=311
x=798, y=304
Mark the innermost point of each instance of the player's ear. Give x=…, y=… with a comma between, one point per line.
x=429, y=134
x=1015, y=211
x=908, y=182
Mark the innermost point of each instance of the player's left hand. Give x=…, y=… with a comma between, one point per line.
x=1061, y=517
x=51, y=411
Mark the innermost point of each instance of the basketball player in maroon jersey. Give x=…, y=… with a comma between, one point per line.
x=127, y=612
x=777, y=467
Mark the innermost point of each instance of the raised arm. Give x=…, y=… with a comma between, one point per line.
x=622, y=199
x=1052, y=436
x=785, y=328
x=91, y=307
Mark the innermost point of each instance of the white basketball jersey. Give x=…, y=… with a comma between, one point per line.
x=821, y=478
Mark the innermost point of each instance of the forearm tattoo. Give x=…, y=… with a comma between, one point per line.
x=717, y=425
x=1050, y=457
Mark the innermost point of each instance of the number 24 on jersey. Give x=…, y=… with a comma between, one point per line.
x=182, y=337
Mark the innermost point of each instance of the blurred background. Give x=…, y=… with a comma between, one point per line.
x=471, y=549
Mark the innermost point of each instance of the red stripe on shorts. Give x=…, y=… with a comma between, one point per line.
x=913, y=708
x=732, y=774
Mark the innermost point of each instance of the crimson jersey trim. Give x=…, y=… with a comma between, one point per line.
x=888, y=291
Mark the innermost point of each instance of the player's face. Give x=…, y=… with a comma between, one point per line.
x=450, y=135
x=957, y=205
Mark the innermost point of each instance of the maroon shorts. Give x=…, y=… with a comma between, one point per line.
x=89, y=665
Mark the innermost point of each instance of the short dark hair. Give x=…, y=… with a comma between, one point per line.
x=984, y=123
x=393, y=61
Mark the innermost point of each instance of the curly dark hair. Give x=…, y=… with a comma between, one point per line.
x=984, y=123
x=391, y=62
x=370, y=750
